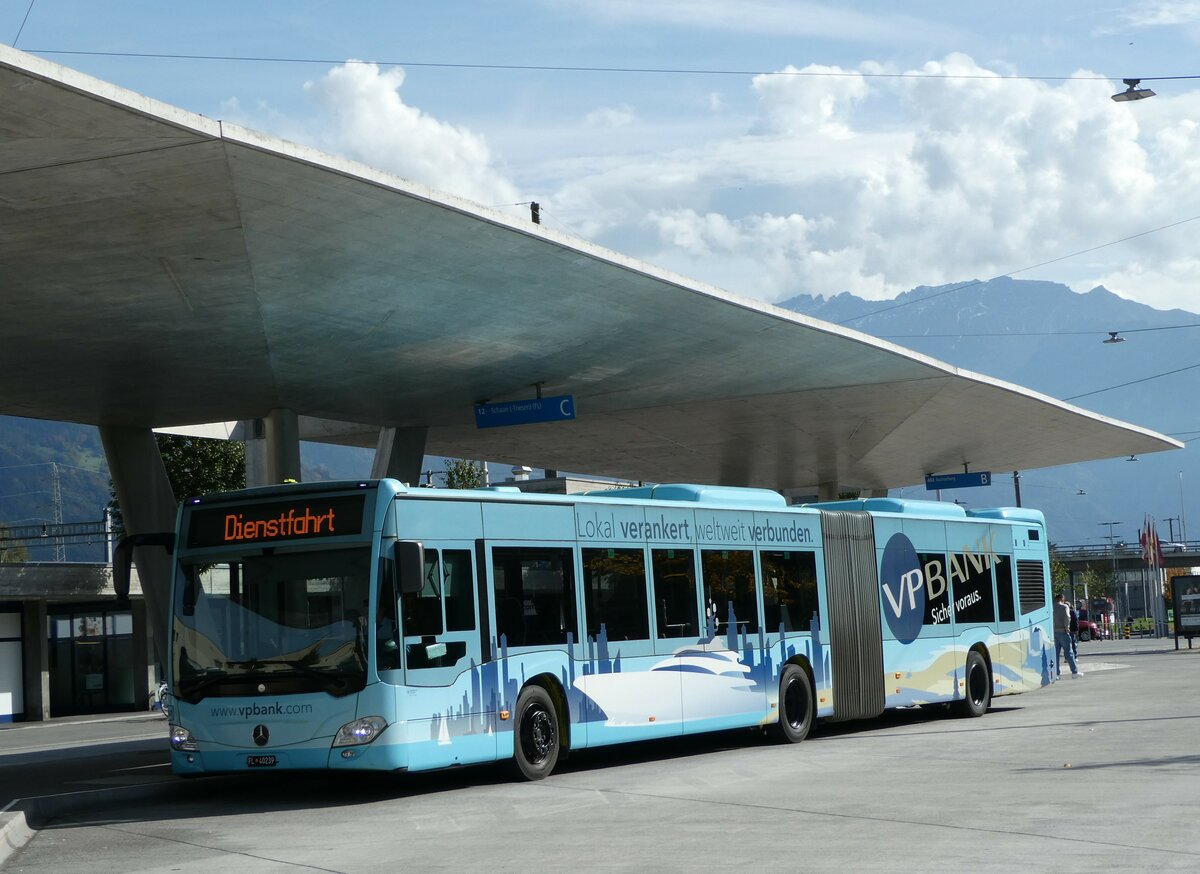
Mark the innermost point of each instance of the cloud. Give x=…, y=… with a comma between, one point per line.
x=609, y=117
x=836, y=180
x=877, y=184
x=791, y=105
x=775, y=18
x=1163, y=13
x=361, y=115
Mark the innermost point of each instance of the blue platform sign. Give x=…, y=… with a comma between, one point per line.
x=526, y=412
x=971, y=480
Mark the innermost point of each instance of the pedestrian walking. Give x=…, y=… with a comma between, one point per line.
x=1062, y=637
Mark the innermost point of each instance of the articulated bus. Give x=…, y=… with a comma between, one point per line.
x=369, y=625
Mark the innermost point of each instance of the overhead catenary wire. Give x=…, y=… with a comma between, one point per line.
x=570, y=68
x=1132, y=382
x=1040, y=333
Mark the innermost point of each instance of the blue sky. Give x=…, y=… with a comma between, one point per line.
x=768, y=185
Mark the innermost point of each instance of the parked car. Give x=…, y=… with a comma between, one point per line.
x=1089, y=630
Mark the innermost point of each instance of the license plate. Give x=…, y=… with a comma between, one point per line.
x=260, y=761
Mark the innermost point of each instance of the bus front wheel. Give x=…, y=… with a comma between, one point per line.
x=795, y=705
x=977, y=693
x=535, y=734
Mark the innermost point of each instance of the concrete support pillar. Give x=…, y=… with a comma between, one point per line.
x=828, y=491
x=256, y=453
x=282, y=431
x=147, y=507
x=143, y=657
x=399, y=454
x=35, y=660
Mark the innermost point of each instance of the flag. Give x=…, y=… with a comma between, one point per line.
x=1144, y=537
x=1156, y=549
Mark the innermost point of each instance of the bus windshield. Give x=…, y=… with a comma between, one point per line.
x=272, y=621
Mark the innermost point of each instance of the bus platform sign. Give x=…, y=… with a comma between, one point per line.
x=974, y=479
x=560, y=408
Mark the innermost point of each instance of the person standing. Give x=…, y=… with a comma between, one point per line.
x=1074, y=629
x=1062, y=637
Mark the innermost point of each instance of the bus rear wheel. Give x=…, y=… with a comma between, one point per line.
x=535, y=734
x=977, y=695
x=795, y=705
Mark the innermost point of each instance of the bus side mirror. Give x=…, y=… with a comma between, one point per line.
x=123, y=559
x=410, y=565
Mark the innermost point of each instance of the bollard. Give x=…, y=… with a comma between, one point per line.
x=1128, y=630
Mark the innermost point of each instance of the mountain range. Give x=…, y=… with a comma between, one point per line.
x=1046, y=337
x=1037, y=334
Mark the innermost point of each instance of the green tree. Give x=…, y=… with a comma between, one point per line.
x=1060, y=574
x=11, y=553
x=1100, y=582
x=196, y=466
x=464, y=474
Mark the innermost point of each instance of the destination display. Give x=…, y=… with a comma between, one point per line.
x=301, y=519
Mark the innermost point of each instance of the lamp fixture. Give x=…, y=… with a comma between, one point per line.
x=1133, y=92
x=1113, y=338
x=1081, y=492
x=1132, y=458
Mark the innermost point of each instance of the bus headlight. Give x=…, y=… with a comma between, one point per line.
x=181, y=739
x=360, y=731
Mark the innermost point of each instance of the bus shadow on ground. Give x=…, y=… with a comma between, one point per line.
x=282, y=792
x=295, y=791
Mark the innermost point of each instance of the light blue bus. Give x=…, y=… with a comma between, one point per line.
x=369, y=625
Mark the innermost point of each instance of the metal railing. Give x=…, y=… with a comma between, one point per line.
x=1091, y=551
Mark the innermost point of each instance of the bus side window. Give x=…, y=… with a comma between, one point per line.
x=789, y=581
x=387, y=647
x=675, y=592
x=728, y=577
x=1004, y=589
x=535, y=594
x=458, y=585
x=937, y=589
x=614, y=582
x=971, y=581
x=423, y=609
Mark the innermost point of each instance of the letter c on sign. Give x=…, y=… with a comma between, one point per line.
x=564, y=406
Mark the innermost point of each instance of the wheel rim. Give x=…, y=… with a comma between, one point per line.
x=977, y=684
x=538, y=734
x=795, y=705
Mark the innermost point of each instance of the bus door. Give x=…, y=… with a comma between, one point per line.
x=724, y=689
x=855, y=631
x=677, y=631
x=619, y=689
x=441, y=645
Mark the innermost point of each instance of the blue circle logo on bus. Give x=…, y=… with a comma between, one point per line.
x=903, y=585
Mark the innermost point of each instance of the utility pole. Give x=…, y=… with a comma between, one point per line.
x=1112, y=545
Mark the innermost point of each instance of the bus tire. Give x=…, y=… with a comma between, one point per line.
x=535, y=734
x=977, y=693
x=795, y=705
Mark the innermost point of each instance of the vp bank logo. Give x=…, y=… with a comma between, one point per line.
x=904, y=591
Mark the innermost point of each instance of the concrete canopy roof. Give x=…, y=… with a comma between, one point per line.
x=158, y=268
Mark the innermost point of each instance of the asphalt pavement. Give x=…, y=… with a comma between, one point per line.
x=1094, y=773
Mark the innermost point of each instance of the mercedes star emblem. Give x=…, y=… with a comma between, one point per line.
x=261, y=735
